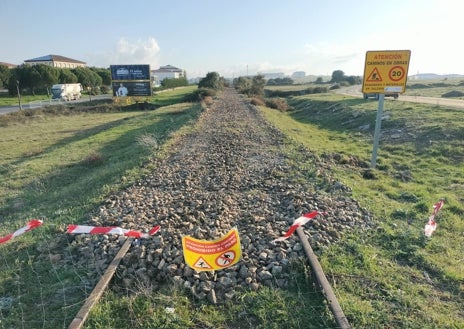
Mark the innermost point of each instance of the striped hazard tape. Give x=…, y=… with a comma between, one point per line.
x=33, y=223
x=299, y=222
x=79, y=229
x=431, y=225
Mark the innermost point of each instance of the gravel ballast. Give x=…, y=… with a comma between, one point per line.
x=233, y=170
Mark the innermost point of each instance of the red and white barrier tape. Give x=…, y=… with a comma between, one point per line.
x=298, y=222
x=431, y=225
x=33, y=223
x=76, y=229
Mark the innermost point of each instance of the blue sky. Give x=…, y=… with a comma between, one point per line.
x=236, y=37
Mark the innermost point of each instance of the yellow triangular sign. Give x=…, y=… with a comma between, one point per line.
x=374, y=76
x=202, y=264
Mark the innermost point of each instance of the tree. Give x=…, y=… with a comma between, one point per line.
x=257, y=85
x=66, y=76
x=5, y=74
x=353, y=80
x=242, y=84
x=24, y=76
x=105, y=74
x=212, y=81
x=87, y=78
x=46, y=76
x=319, y=80
x=337, y=76
x=280, y=81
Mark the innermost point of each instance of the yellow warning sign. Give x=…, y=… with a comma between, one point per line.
x=374, y=76
x=386, y=71
x=203, y=255
x=203, y=264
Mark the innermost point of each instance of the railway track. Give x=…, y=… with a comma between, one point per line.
x=232, y=170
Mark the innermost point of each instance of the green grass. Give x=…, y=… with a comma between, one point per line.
x=301, y=306
x=59, y=164
x=382, y=276
x=178, y=95
x=7, y=100
x=434, y=87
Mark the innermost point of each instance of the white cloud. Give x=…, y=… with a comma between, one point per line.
x=128, y=51
x=326, y=58
x=136, y=51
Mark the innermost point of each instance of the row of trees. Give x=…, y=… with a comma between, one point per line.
x=35, y=79
x=255, y=86
x=338, y=76
x=280, y=82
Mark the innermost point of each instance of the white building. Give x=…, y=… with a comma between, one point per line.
x=271, y=75
x=166, y=72
x=56, y=61
x=298, y=74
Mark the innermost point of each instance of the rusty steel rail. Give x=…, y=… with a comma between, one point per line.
x=322, y=281
x=97, y=292
x=324, y=284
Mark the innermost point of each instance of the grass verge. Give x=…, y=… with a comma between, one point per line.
x=392, y=277
x=59, y=164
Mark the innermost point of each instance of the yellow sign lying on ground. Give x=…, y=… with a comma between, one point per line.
x=386, y=71
x=202, y=255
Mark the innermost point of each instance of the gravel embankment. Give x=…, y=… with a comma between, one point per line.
x=230, y=172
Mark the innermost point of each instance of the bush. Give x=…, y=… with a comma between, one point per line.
x=453, y=93
x=419, y=86
x=257, y=101
x=277, y=103
x=200, y=94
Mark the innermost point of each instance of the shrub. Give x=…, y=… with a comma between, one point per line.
x=200, y=94
x=277, y=103
x=419, y=86
x=150, y=141
x=453, y=93
x=93, y=159
x=207, y=100
x=105, y=90
x=257, y=101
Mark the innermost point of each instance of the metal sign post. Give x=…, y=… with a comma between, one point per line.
x=378, y=123
x=385, y=71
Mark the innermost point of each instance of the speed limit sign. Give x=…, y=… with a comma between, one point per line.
x=396, y=73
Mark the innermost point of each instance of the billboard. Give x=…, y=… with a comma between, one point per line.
x=131, y=80
x=131, y=88
x=130, y=72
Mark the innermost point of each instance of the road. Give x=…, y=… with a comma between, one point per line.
x=457, y=103
x=37, y=104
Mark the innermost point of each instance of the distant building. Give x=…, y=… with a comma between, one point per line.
x=166, y=72
x=268, y=76
x=8, y=65
x=298, y=74
x=56, y=61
